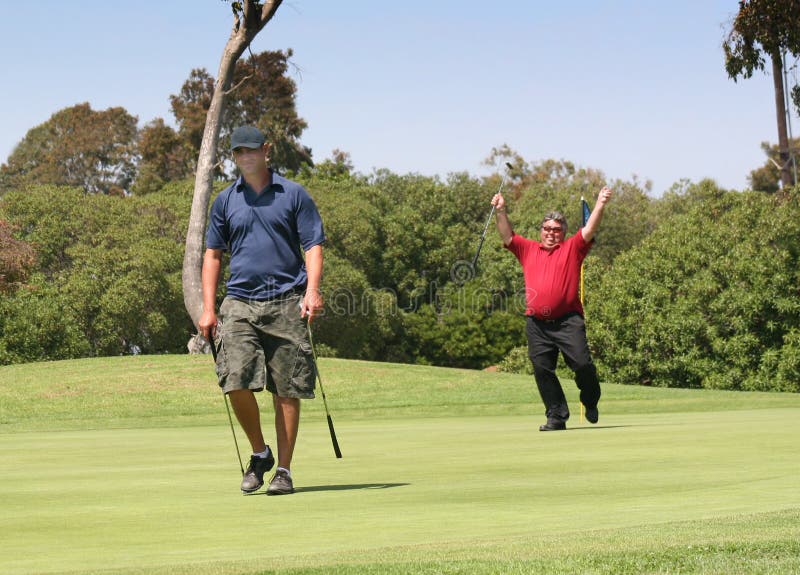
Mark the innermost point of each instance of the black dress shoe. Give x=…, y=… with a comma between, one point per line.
x=552, y=425
x=592, y=415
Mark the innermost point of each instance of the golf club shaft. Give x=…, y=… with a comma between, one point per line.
x=489, y=219
x=483, y=237
x=336, y=449
x=227, y=408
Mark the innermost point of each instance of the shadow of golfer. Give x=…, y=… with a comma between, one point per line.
x=350, y=487
x=596, y=427
x=310, y=488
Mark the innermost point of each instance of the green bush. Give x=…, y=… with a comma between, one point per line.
x=517, y=361
x=710, y=299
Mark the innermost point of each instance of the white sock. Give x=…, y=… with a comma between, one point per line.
x=264, y=454
x=289, y=473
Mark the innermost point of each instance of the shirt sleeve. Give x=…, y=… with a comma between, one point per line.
x=217, y=231
x=309, y=222
x=518, y=245
x=581, y=245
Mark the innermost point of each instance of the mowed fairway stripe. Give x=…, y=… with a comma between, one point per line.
x=151, y=498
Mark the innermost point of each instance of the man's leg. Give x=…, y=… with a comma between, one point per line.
x=290, y=378
x=287, y=422
x=543, y=354
x=571, y=339
x=245, y=406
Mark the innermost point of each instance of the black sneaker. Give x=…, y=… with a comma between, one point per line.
x=253, y=478
x=592, y=415
x=553, y=425
x=281, y=484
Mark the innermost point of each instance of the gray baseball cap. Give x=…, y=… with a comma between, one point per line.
x=247, y=137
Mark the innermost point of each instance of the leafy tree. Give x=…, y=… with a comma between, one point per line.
x=352, y=222
x=37, y=324
x=685, y=196
x=16, y=259
x=340, y=164
x=50, y=227
x=710, y=299
x=503, y=155
x=766, y=27
x=77, y=146
x=411, y=235
x=404, y=234
x=111, y=264
x=190, y=107
x=767, y=178
x=358, y=321
x=249, y=18
x=466, y=326
x=265, y=97
x=164, y=157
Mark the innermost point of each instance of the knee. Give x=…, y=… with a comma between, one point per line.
x=541, y=371
x=586, y=372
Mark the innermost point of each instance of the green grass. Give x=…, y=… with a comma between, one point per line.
x=126, y=465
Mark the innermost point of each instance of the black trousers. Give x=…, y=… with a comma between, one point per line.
x=546, y=338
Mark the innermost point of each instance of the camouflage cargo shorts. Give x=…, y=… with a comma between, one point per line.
x=265, y=344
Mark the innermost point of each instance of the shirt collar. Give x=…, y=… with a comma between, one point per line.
x=556, y=247
x=240, y=185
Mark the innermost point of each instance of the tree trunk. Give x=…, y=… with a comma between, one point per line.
x=247, y=25
x=780, y=111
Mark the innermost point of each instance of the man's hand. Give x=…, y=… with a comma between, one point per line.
x=503, y=225
x=499, y=202
x=604, y=195
x=312, y=304
x=596, y=217
x=208, y=324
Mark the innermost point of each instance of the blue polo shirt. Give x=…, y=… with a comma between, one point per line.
x=264, y=233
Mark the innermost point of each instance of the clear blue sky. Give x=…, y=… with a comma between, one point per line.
x=629, y=87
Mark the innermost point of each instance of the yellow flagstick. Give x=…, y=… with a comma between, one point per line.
x=581, y=292
x=583, y=218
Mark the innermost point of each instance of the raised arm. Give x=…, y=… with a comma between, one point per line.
x=596, y=217
x=503, y=224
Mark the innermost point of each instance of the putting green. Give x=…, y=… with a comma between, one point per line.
x=158, y=500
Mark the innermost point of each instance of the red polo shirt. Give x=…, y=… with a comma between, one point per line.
x=552, y=278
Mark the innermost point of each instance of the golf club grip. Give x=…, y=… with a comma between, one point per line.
x=477, y=253
x=336, y=449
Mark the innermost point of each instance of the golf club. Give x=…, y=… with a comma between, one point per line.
x=227, y=408
x=489, y=219
x=336, y=449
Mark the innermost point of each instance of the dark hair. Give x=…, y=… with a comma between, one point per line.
x=557, y=216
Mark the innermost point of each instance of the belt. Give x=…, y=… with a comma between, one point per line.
x=297, y=290
x=553, y=320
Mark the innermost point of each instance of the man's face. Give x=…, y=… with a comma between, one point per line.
x=552, y=234
x=251, y=160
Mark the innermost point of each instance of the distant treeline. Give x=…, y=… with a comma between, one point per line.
x=698, y=288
